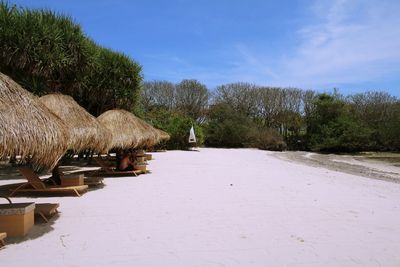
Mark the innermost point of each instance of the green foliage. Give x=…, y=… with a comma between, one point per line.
x=390, y=131
x=226, y=127
x=229, y=128
x=331, y=127
x=177, y=125
x=42, y=50
x=265, y=138
x=48, y=52
x=113, y=81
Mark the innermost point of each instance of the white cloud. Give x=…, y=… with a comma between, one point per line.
x=352, y=42
x=349, y=42
x=346, y=42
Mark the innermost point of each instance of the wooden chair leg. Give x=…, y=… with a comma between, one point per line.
x=77, y=193
x=44, y=217
x=16, y=189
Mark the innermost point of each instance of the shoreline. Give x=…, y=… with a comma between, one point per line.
x=350, y=164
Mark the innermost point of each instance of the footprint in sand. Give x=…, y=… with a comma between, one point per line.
x=297, y=238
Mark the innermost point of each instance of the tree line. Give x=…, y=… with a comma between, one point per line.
x=247, y=115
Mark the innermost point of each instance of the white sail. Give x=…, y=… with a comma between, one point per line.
x=192, y=136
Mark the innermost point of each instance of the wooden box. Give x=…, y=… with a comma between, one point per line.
x=72, y=180
x=16, y=219
x=140, y=153
x=141, y=167
x=141, y=160
x=148, y=156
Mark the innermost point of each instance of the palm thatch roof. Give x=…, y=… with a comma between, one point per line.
x=86, y=133
x=151, y=136
x=28, y=128
x=162, y=135
x=126, y=129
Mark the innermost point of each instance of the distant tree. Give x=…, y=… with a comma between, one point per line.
x=242, y=97
x=158, y=94
x=391, y=131
x=377, y=110
x=372, y=107
x=271, y=106
x=191, y=98
x=331, y=127
x=227, y=127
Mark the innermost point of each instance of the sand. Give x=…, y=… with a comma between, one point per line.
x=221, y=207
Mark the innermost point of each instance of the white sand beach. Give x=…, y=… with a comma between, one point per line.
x=220, y=207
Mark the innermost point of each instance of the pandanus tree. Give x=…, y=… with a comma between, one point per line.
x=41, y=50
x=47, y=52
x=112, y=81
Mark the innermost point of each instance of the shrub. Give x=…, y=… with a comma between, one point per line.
x=226, y=127
x=177, y=125
x=266, y=138
x=229, y=128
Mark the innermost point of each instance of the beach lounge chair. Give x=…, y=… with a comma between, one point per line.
x=36, y=185
x=2, y=237
x=94, y=181
x=112, y=170
x=46, y=210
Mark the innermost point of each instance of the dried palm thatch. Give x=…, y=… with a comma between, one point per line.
x=86, y=133
x=151, y=137
x=162, y=135
x=126, y=129
x=28, y=128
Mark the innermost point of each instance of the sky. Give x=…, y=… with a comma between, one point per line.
x=352, y=45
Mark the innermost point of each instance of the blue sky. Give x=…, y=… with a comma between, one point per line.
x=353, y=45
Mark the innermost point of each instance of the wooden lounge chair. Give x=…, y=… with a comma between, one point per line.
x=94, y=181
x=46, y=210
x=36, y=185
x=148, y=156
x=2, y=237
x=112, y=170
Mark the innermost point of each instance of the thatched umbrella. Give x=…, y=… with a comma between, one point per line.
x=28, y=128
x=85, y=131
x=151, y=137
x=162, y=135
x=126, y=129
